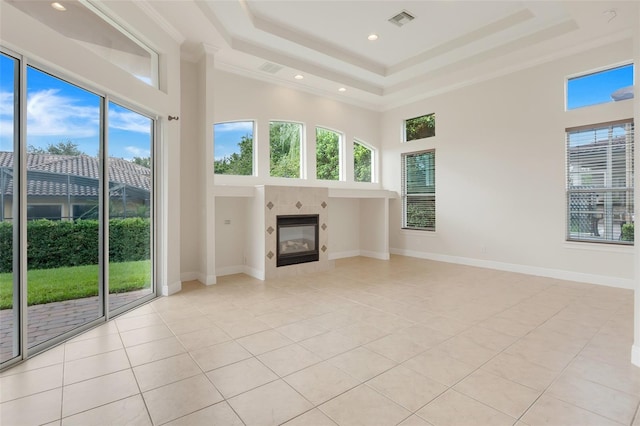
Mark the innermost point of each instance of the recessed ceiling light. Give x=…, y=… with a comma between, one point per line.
x=57, y=6
x=372, y=37
x=342, y=89
x=298, y=76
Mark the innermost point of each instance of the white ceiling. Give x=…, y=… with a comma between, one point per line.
x=449, y=44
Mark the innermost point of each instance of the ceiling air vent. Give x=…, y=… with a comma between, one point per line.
x=270, y=68
x=402, y=18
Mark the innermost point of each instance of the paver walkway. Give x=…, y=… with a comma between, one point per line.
x=52, y=319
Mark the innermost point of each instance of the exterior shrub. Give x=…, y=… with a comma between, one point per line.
x=627, y=232
x=53, y=244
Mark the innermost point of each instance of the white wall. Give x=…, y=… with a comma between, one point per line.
x=191, y=186
x=254, y=247
x=231, y=229
x=344, y=227
x=500, y=173
x=373, y=234
x=635, y=350
x=42, y=46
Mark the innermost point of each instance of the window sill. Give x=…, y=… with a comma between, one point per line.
x=416, y=232
x=602, y=247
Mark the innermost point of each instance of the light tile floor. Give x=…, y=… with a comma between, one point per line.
x=405, y=341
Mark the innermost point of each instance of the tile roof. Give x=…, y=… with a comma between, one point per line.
x=75, y=175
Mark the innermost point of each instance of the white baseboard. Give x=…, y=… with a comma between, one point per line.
x=355, y=253
x=230, y=270
x=198, y=276
x=168, y=290
x=253, y=272
x=635, y=355
x=343, y=254
x=190, y=276
x=523, y=269
x=375, y=254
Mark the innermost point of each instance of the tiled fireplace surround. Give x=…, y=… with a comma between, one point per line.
x=286, y=200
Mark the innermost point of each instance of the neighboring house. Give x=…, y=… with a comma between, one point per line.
x=66, y=187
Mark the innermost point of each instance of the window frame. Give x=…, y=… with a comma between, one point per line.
x=587, y=222
x=430, y=196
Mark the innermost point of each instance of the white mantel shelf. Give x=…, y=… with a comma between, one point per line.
x=249, y=191
x=361, y=193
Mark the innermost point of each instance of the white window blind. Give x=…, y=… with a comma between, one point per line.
x=419, y=190
x=600, y=171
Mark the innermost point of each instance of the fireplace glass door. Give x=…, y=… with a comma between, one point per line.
x=297, y=239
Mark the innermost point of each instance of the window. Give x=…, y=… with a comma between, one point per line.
x=600, y=183
x=362, y=162
x=327, y=154
x=285, y=143
x=44, y=211
x=614, y=84
x=419, y=190
x=85, y=211
x=420, y=127
x=86, y=24
x=233, y=148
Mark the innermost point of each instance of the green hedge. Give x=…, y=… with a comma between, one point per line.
x=53, y=244
x=627, y=232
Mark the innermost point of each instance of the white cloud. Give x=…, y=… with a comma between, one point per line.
x=6, y=114
x=137, y=151
x=51, y=114
x=235, y=126
x=122, y=119
x=6, y=104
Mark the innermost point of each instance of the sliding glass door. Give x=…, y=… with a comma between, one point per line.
x=76, y=209
x=9, y=283
x=63, y=227
x=130, y=206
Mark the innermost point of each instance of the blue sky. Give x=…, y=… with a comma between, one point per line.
x=597, y=88
x=228, y=135
x=59, y=112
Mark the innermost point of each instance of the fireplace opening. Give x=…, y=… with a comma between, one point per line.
x=297, y=239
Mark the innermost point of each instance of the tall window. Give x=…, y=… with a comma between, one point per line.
x=420, y=127
x=327, y=154
x=419, y=190
x=362, y=162
x=233, y=148
x=600, y=183
x=613, y=84
x=88, y=25
x=284, y=141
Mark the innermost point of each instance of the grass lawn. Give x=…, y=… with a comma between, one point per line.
x=55, y=285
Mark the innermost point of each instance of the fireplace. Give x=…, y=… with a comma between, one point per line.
x=297, y=239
